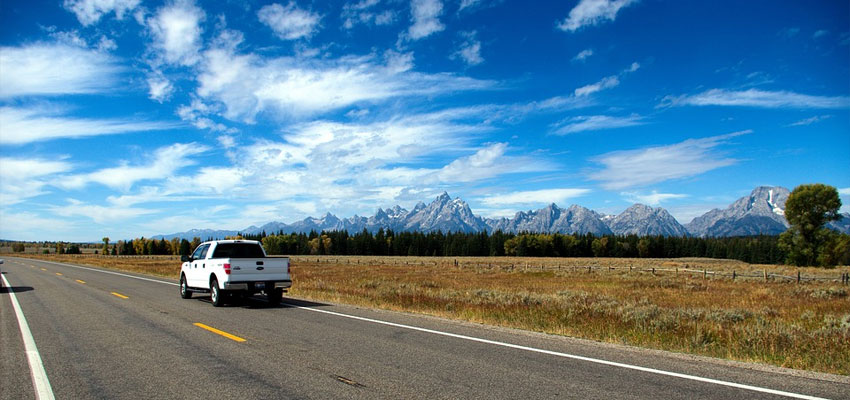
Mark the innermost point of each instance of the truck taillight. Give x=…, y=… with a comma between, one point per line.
x=227, y=269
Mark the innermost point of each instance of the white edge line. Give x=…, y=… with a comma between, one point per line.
x=43, y=390
x=575, y=357
x=509, y=345
x=110, y=272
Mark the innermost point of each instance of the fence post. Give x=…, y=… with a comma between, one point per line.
x=798, y=276
x=704, y=274
x=734, y=274
x=677, y=272
x=653, y=270
x=764, y=271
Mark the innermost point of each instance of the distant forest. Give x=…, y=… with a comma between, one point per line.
x=750, y=249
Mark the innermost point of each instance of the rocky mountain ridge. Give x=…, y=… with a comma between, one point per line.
x=762, y=212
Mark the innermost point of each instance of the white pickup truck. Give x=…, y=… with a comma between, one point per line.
x=227, y=267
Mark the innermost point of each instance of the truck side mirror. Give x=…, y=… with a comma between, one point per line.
x=185, y=258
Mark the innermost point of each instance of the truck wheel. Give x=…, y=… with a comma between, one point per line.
x=215, y=294
x=184, y=288
x=274, y=296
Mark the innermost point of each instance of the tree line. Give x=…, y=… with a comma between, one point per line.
x=751, y=249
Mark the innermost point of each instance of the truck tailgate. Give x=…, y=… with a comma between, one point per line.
x=259, y=269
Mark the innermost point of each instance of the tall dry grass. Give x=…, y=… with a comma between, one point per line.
x=797, y=325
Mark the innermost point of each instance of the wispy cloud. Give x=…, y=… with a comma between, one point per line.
x=24, y=178
x=641, y=167
x=425, y=16
x=605, y=83
x=654, y=198
x=811, y=120
x=290, y=22
x=592, y=12
x=97, y=213
x=363, y=12
x=36, y=124
x=757, y=98
x=534, y=197
x=470, y=49
x=89, y=12
x=164, y=163
x=820, y=33
x=583, y=55
x=247, y=84
x=55, y=69
x=595, y=122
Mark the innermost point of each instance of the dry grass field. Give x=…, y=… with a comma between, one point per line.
x=679, y=308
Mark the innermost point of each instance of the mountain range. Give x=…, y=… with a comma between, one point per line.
x=762, y=212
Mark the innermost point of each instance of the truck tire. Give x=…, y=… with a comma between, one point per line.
x=215, y=294
x=274, y=296
x=184, y=288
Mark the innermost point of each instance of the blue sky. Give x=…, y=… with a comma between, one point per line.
x=127, y=118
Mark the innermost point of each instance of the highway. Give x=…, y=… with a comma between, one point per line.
x=102, y=334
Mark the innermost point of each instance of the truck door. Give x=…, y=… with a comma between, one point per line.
x=197, y=276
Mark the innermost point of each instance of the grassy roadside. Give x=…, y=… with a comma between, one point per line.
x=802, y=326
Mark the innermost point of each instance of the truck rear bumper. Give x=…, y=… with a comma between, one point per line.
x=250, y=285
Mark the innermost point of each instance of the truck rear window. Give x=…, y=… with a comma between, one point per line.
x=238, y=250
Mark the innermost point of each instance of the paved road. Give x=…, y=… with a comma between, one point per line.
x=110, y=336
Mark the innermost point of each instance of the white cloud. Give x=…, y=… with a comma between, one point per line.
x=583, y=55
x=164, y=163
x=24, y=178
x=811, y=120
x=89, y=11
x=464, y=4
x=99, y=214
x=363, y=12
x=425, y=17
x=470, y=50
x=844, y=191
x=820, y=33
x=633, y=168
x=290, y=22
x=487, y=162
x=789, y=32
x=32, y=226
x=757, y=98
x=160, y=88
x=605, y=83
x=295, y=87
x=176, y=29
x=596, y=122
x=534, y=197
x=592, y=12
x=196, y=113
x=652, y=199
x=28, y=125
x=55, y=69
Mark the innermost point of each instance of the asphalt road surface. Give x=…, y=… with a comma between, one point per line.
x=106, y=335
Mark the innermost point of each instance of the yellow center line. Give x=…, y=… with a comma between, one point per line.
x=81, y=281
x=222, y=333
x=59, y=273
x=119, y=295
x=44, y=269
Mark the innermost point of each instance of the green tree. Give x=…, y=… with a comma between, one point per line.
x=600, y=247
x=808, y=209
x=105, y=245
